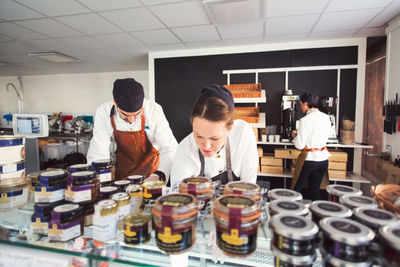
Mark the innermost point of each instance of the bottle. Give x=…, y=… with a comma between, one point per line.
x=397, y=161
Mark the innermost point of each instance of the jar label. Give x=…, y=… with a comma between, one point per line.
x=105, y=227
x=234, y=244
x=136, y=235
x=62, y=235
x=105, y=176
x=243, y=186
x=123, y=211
x=169, y=242
x=196, y=181
x=49, y=196
x=39, y=227
x=176, y=200
x=78, y=196
x=236, y=202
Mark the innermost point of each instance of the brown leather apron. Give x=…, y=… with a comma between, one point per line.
x=134, y=154
x=299, y=165
x=226, y=176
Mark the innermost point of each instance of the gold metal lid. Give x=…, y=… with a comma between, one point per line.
x=136, y=220
x=106, y=207
x=153, y=184
x=120, y=196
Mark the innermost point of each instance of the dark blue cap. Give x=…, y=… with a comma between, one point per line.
x=128, y=94
x=218, y=91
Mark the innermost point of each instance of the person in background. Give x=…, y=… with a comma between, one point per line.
x=311, y=137
x=219, y=147
x=145, y=143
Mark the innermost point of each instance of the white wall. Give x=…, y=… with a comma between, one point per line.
x=392, y=83
x=67, y=93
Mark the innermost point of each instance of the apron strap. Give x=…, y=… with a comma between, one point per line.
x=142, y=133
x=112, y=112
x=202, y=164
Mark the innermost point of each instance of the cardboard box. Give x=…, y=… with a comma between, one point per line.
x=255, y=130
x=337, y=165
x=283, y=153
x=381, y=169
x=337, y=155
x=272, y=169
x=336, y=174
x=270, y=160
x=260, y=152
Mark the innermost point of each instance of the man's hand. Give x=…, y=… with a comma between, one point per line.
x=152, y=177
x=294, y=133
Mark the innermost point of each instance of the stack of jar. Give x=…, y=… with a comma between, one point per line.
x=200, y=187
x=248, y=189
x=14, y=187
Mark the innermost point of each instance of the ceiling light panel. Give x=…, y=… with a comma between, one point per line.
x=181, y=14
x=53, y=8
x=54, y=57
x=233, y=11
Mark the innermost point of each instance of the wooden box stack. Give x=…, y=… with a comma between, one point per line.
x=337, y=164
x=249, y=114
x=245, y=90
x=260, y=155
x=271, y=164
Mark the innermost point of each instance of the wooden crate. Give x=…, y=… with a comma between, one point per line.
x=244, y=90
x=270, y=160
x=283, y=153
x=249, y=114
x=260, y=152
x=272, y=169
x=336, y=174
x=337, y=155
x=337, y=165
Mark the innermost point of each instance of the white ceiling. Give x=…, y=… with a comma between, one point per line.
x=116, y=35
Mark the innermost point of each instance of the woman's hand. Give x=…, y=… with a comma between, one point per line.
x=152, y=177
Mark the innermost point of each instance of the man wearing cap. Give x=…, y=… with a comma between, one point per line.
x=145, y=143
x=219, y=147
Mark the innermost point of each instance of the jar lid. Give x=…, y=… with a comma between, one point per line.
x=120, y=196
x=294, y=227
x=136, y=220
x=83, y=175
x=327, y=209
x=108, y=189
x=106, y=206
x=136, y=178
x=374, y=217
x=339, y=190
x=242, y=187
x=79, y=167
x=153, y=184
x=346, y=231
x=358, y=201
x=249, y=208
x=288, y=207
x=293, y=260
x=182, y=205
x=66, y=212
x=133, y=188
x=391, y=235
x=284, y=194
x=13, y=184
x=122, y=182
x=101, y=163
x=52, y=175
x=11, y=140
x=200, y=184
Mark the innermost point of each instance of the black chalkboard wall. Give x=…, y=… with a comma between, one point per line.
x=179, y=80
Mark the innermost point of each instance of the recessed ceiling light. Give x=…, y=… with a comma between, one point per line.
x=54, y=57
x=233, y=11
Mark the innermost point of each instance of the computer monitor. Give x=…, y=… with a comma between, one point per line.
x=31, y=125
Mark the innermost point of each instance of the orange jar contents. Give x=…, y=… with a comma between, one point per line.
x=175, y=218
x=236, y=222
x=152, y=190
x=200, y=187
x=248, y=189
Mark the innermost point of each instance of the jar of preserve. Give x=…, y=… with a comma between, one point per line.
x=14, y=193
x=82, y=187
x=88, y=213
x=121, y=184
x=136, y=195
x=284, y=194
x=124, y=206
x=12, y=170
x=390, y=242
x=66, y=222
x=105, y=220
x=335, y=191
x=79, y=168
x=51, y=186
x=294, y=235
x=107, y=191
x=236, y=222
x=287, y=208
x=40, y=219
x=175, y=218
x=152, y=190
x=137, y=229
x=282, y=259
x=354, y=201
x=248, y=189
x=136, y=179
x=321, y=209
x=346, y=239
x=200, y=187
x=104, y=169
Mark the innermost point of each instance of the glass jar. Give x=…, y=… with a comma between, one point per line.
x=285, y=260
x=122, y=184
x=287, y=208
x=88, y=213
x=152, y=190
x=12, y=170
x=390, y=242
x=284, y=194
x=51, y=186
x=105, y=220
x=354, y=201
x=14, y=193
x=236, y=221
x=335, y=191
x=346, y=239
x=104, y=169
x=293, y=235
x=124, y=206
x=248, y=189
x=321, y=209
x=40, y=219
x=200, y=187
x=82, y=187
x=136, y=179
x=330, y=261
x=175, y=218
x=107, y=191
x=12, y=149
x=66, y=222
x=79, y=168
x=135, y=193
x=137, y=229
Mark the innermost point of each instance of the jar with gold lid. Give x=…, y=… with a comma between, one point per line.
x=124, y=206
x=82, y=187
x=137, y=229
x=200, y=187
x=14, y=193
x=105, y=220
x=66, y=222
x=175, y=218
x=248, y=189
x=152, y=190
x=135, y=192
x=51, y=186
x=236, y=220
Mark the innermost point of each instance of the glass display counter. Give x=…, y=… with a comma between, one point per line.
x=16, y=236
